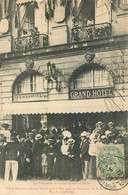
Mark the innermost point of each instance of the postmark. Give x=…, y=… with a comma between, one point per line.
x=111, y=167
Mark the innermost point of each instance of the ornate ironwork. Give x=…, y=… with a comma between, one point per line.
x=31, y=42
x=92, y=32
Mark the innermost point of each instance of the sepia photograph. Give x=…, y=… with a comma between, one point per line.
x=64, y=97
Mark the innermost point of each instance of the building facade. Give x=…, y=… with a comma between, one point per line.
x=64, y=62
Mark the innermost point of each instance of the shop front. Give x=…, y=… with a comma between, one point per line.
x=92, y=97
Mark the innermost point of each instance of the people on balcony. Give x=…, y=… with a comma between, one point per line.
x=90, y=21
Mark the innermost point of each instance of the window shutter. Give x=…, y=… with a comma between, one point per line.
x=102, y=11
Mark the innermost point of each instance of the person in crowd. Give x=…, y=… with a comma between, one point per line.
x=44, y=166
x=65, y=158
x=29, y=164
x=71, y=154
x=34, y=131
x=77, y=162
x=53, y=133
x=5, y=131
x=111, y=127
x=103, y=139
x=58, y=157
x=48, y=150
x=37, y=150
x=22, y=159
x=11, y=163
x=119, y=139
x=44, y=160
x=94, y=138
x=2, y=155
x=43, y=130
x=85, y=157
x=110, y=137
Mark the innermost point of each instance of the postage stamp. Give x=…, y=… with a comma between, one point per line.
x=111, y=166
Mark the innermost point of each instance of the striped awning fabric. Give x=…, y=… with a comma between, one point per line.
x=67, y=106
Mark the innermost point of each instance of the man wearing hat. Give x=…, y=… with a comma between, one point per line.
x=2, y=155
x=29, y=164
x=49, y=150
x=43, y=130
x=12, y=154
x=37, y=150
x=85, y=157
x=5, y=131
x=66, y=135
x=71, y=154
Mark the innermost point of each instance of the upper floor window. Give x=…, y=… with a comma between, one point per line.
x=103, y=11
x=93, y=78
x=29, y=84
x=29, y=18
x=26, y=17
x=99, y=11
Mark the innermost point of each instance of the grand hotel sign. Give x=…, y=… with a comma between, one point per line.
x=91, y=93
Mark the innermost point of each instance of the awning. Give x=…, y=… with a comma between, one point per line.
x=68, y=106
x=24, y=1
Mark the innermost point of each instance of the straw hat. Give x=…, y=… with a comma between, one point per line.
x=38, y=136
x=84, y=134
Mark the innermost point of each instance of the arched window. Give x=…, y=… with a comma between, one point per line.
x=29, y=83
x=87, y=77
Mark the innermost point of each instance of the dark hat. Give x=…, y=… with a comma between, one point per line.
x=111, y=135
x=71, y=141
x=2, y=138
x=103, y=139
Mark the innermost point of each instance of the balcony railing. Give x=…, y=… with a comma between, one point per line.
x=92, y=32
x=30, y=42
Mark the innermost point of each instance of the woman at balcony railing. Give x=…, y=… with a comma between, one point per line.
x=90, y=29
x=90, y=21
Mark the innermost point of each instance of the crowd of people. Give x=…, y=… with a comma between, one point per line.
x=53, y=154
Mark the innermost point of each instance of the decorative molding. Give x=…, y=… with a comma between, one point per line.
x=89, y=55
x=29, y=63
x=123, y=4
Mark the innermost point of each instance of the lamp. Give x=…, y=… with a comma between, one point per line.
x=58, y=83
x=52, y=78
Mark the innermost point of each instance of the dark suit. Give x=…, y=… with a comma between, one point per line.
x=28, y=155
x=85, y=157
x=37, y=150
x=84, y=147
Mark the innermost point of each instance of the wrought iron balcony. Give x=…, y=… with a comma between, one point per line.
x=92, y=32
x=30, y=42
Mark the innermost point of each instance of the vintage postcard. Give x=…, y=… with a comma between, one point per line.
x=64, y=97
